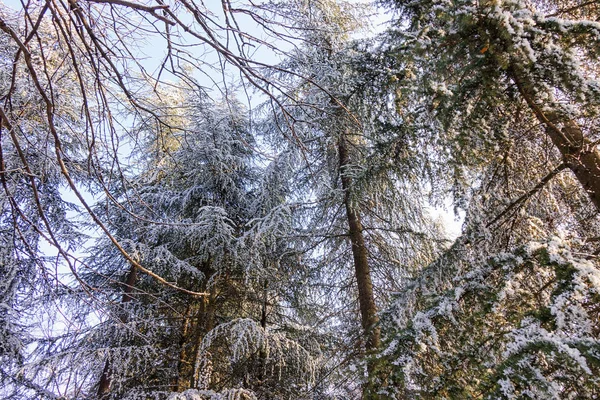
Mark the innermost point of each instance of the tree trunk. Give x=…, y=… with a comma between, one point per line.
x=206, y=323
x=578, y=152
x=199, y=320
x=263, y=324
x=366, y=299
x=184, y=364
x=106, y=377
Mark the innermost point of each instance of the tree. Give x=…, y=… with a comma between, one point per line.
x=500, y=292
x=516, y=325
x=364, y=207
x=203, y=221
x=73, y=88
x=489, y=317
x=503, y=61
x=287, y=252
x=80, y=45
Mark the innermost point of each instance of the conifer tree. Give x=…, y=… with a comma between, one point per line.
x=203, y=221
x=490, y=317
x=483, y=66
x=363, y=205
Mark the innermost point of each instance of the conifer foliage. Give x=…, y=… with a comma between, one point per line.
x=233, y=200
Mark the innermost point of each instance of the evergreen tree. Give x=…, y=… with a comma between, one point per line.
x=484, y=66
x=489, y=318
x=203, y=219
x=289, y=253
x=363, y=205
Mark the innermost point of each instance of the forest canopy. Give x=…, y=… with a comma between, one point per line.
x=241, y=200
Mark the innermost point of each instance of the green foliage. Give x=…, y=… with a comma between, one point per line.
x=522, y=324
x=249, y=209
x=466, y=68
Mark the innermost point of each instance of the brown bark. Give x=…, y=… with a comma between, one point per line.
x=263, y=323
x=206, y=323
x=199, y=320
x=366, y=299
x=184, y=364
x=106, y=377
x=579, y=153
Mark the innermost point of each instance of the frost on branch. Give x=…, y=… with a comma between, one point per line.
x=229, y=394
x=10, y=344
x=241, y=351
x=522, y=324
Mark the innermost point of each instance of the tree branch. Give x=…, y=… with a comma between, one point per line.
x=530, y=193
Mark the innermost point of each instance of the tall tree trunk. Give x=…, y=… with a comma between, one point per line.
x=206, y=323
x=198, y=322
x=106, y=377
x=263, y=324
x=366, y=299
x=578, y=151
